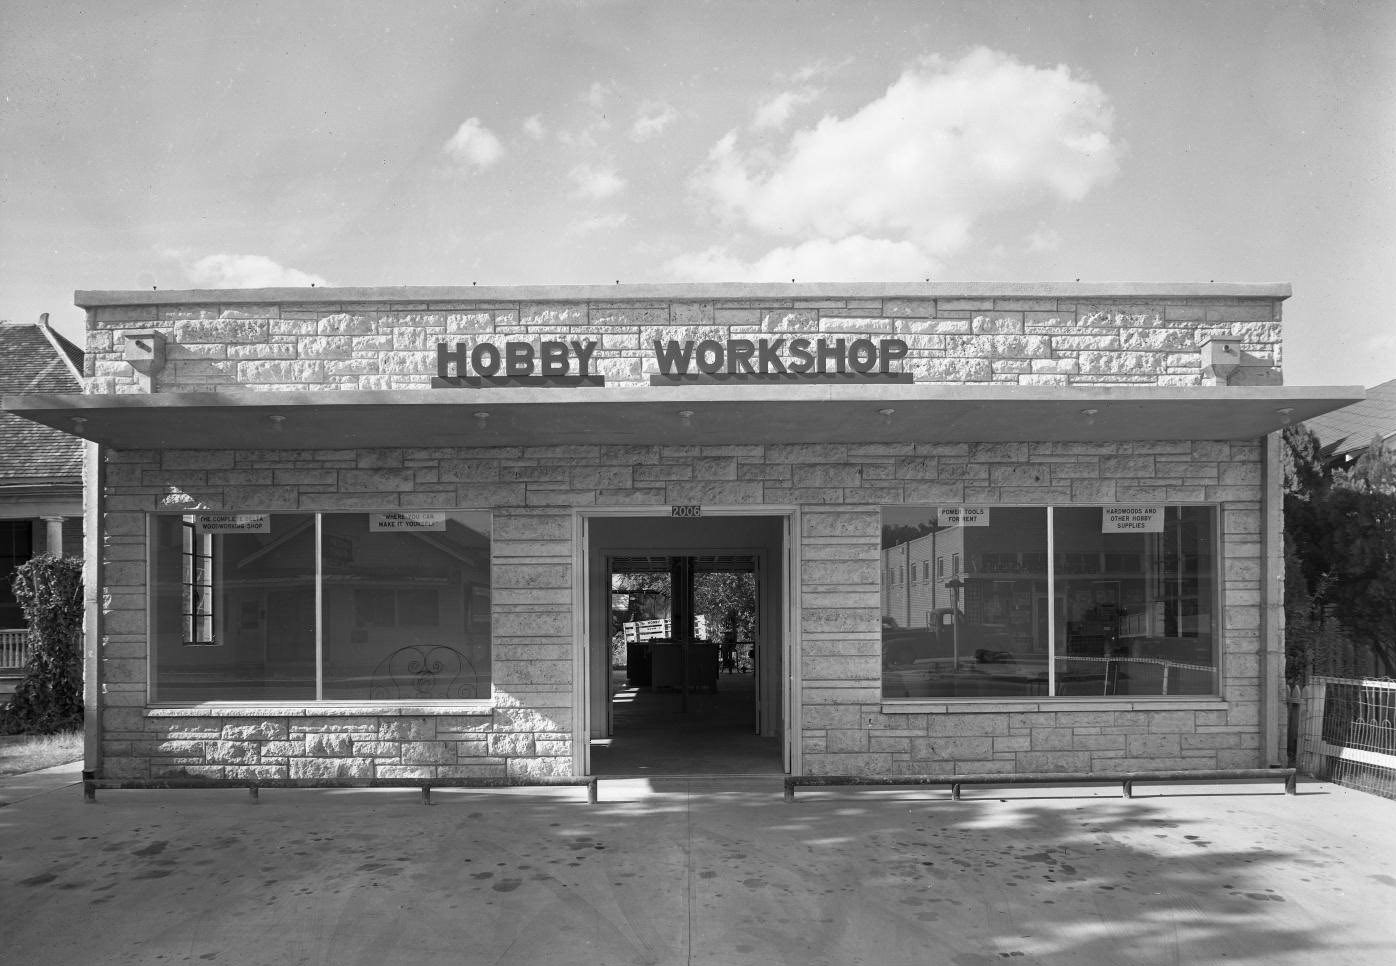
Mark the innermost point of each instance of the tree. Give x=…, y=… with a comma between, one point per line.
x=1373, y=472
x=728, y=598
x=1356, y=541
x=49, y=698
x=1340, y=560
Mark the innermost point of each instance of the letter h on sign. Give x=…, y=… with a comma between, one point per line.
x=445, y=356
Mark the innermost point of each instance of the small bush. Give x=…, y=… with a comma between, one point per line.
x=49, y=698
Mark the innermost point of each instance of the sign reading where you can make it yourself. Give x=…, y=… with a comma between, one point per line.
x=407, y=520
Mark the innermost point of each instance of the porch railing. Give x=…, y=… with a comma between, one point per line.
x=1348, y=733
x=14, y=648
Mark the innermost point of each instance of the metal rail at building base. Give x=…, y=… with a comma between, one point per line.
x=1126, y=780
x=90, y=784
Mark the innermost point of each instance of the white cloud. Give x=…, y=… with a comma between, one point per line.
x=533, y=127
x=948, y=144
x=852, y=259
x=774, y=112
x=246, y=271
x=597, y=94
x=1044, y=239
x=474, y=144
x=599, y=223
x=595, y=182
x=651, y=120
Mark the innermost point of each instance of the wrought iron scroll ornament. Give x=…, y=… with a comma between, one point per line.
x=424, y=672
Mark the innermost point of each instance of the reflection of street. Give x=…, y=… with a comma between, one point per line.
x=948, y=678
x=994, y=674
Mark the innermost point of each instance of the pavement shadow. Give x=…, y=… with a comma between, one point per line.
x=688, y=871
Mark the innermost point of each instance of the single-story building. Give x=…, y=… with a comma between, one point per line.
x=394, y=533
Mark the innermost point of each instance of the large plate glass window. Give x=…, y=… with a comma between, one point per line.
x=1044, y=602
x=390, y=606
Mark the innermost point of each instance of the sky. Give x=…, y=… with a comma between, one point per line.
x=231, y=144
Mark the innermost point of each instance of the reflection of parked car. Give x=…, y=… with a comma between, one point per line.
x=903, y=646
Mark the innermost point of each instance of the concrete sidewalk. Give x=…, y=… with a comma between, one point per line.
x=706, y=871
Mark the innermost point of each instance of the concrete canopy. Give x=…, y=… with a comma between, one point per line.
x=707, y=415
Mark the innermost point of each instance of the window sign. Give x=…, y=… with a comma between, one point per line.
x=1131, y=519
x=964, y=516
x=407, y=520
x=233, y=522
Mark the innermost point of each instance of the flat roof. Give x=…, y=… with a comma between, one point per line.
x=346, y=419
x=695, y=291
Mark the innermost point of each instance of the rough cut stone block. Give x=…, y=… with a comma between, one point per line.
x=405, y=772
x=193, y=728
x=1051, y=739
x=947, y=748
x=413, y=728
x=966, y=725
x=1153, y=745
x=1053, y=761
x=328, y=746
x=957, y=369
x=840, y=572
x=271, y=730
x=308, y=768
x=233, y=751
x=428, y=752
x=264, y=772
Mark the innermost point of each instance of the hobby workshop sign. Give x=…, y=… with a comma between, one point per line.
x=573, y=362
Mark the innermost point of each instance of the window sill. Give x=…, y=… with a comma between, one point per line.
x=1028, y=705
x=255, y=710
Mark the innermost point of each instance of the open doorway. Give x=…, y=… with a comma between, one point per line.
x=686, y=649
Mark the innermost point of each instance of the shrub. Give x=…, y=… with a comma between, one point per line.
x=49, y=698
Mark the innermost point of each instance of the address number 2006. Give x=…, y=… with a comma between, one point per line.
x=686, y=510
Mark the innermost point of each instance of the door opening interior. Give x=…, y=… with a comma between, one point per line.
x=686, y=641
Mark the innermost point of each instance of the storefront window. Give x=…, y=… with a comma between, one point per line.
x=391, y=606
x=1131, y=608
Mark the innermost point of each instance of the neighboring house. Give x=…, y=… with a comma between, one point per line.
x=1345, y=433
x=40, y=468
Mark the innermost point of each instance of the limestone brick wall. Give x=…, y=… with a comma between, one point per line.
x=1060, y=341
x=843, y=724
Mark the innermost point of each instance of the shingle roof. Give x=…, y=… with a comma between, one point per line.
x=29, y=363
x=1352, y=427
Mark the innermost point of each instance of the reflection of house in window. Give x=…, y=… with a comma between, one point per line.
x=403, y=607
x=317, y=606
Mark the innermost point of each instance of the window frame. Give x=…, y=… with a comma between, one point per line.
x=198, y=578
x=317, y=517
x=1216, y=546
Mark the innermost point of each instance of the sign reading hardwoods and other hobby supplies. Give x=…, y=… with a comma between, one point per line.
x=570, y=363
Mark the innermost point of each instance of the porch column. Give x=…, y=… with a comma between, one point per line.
x=54, y=535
